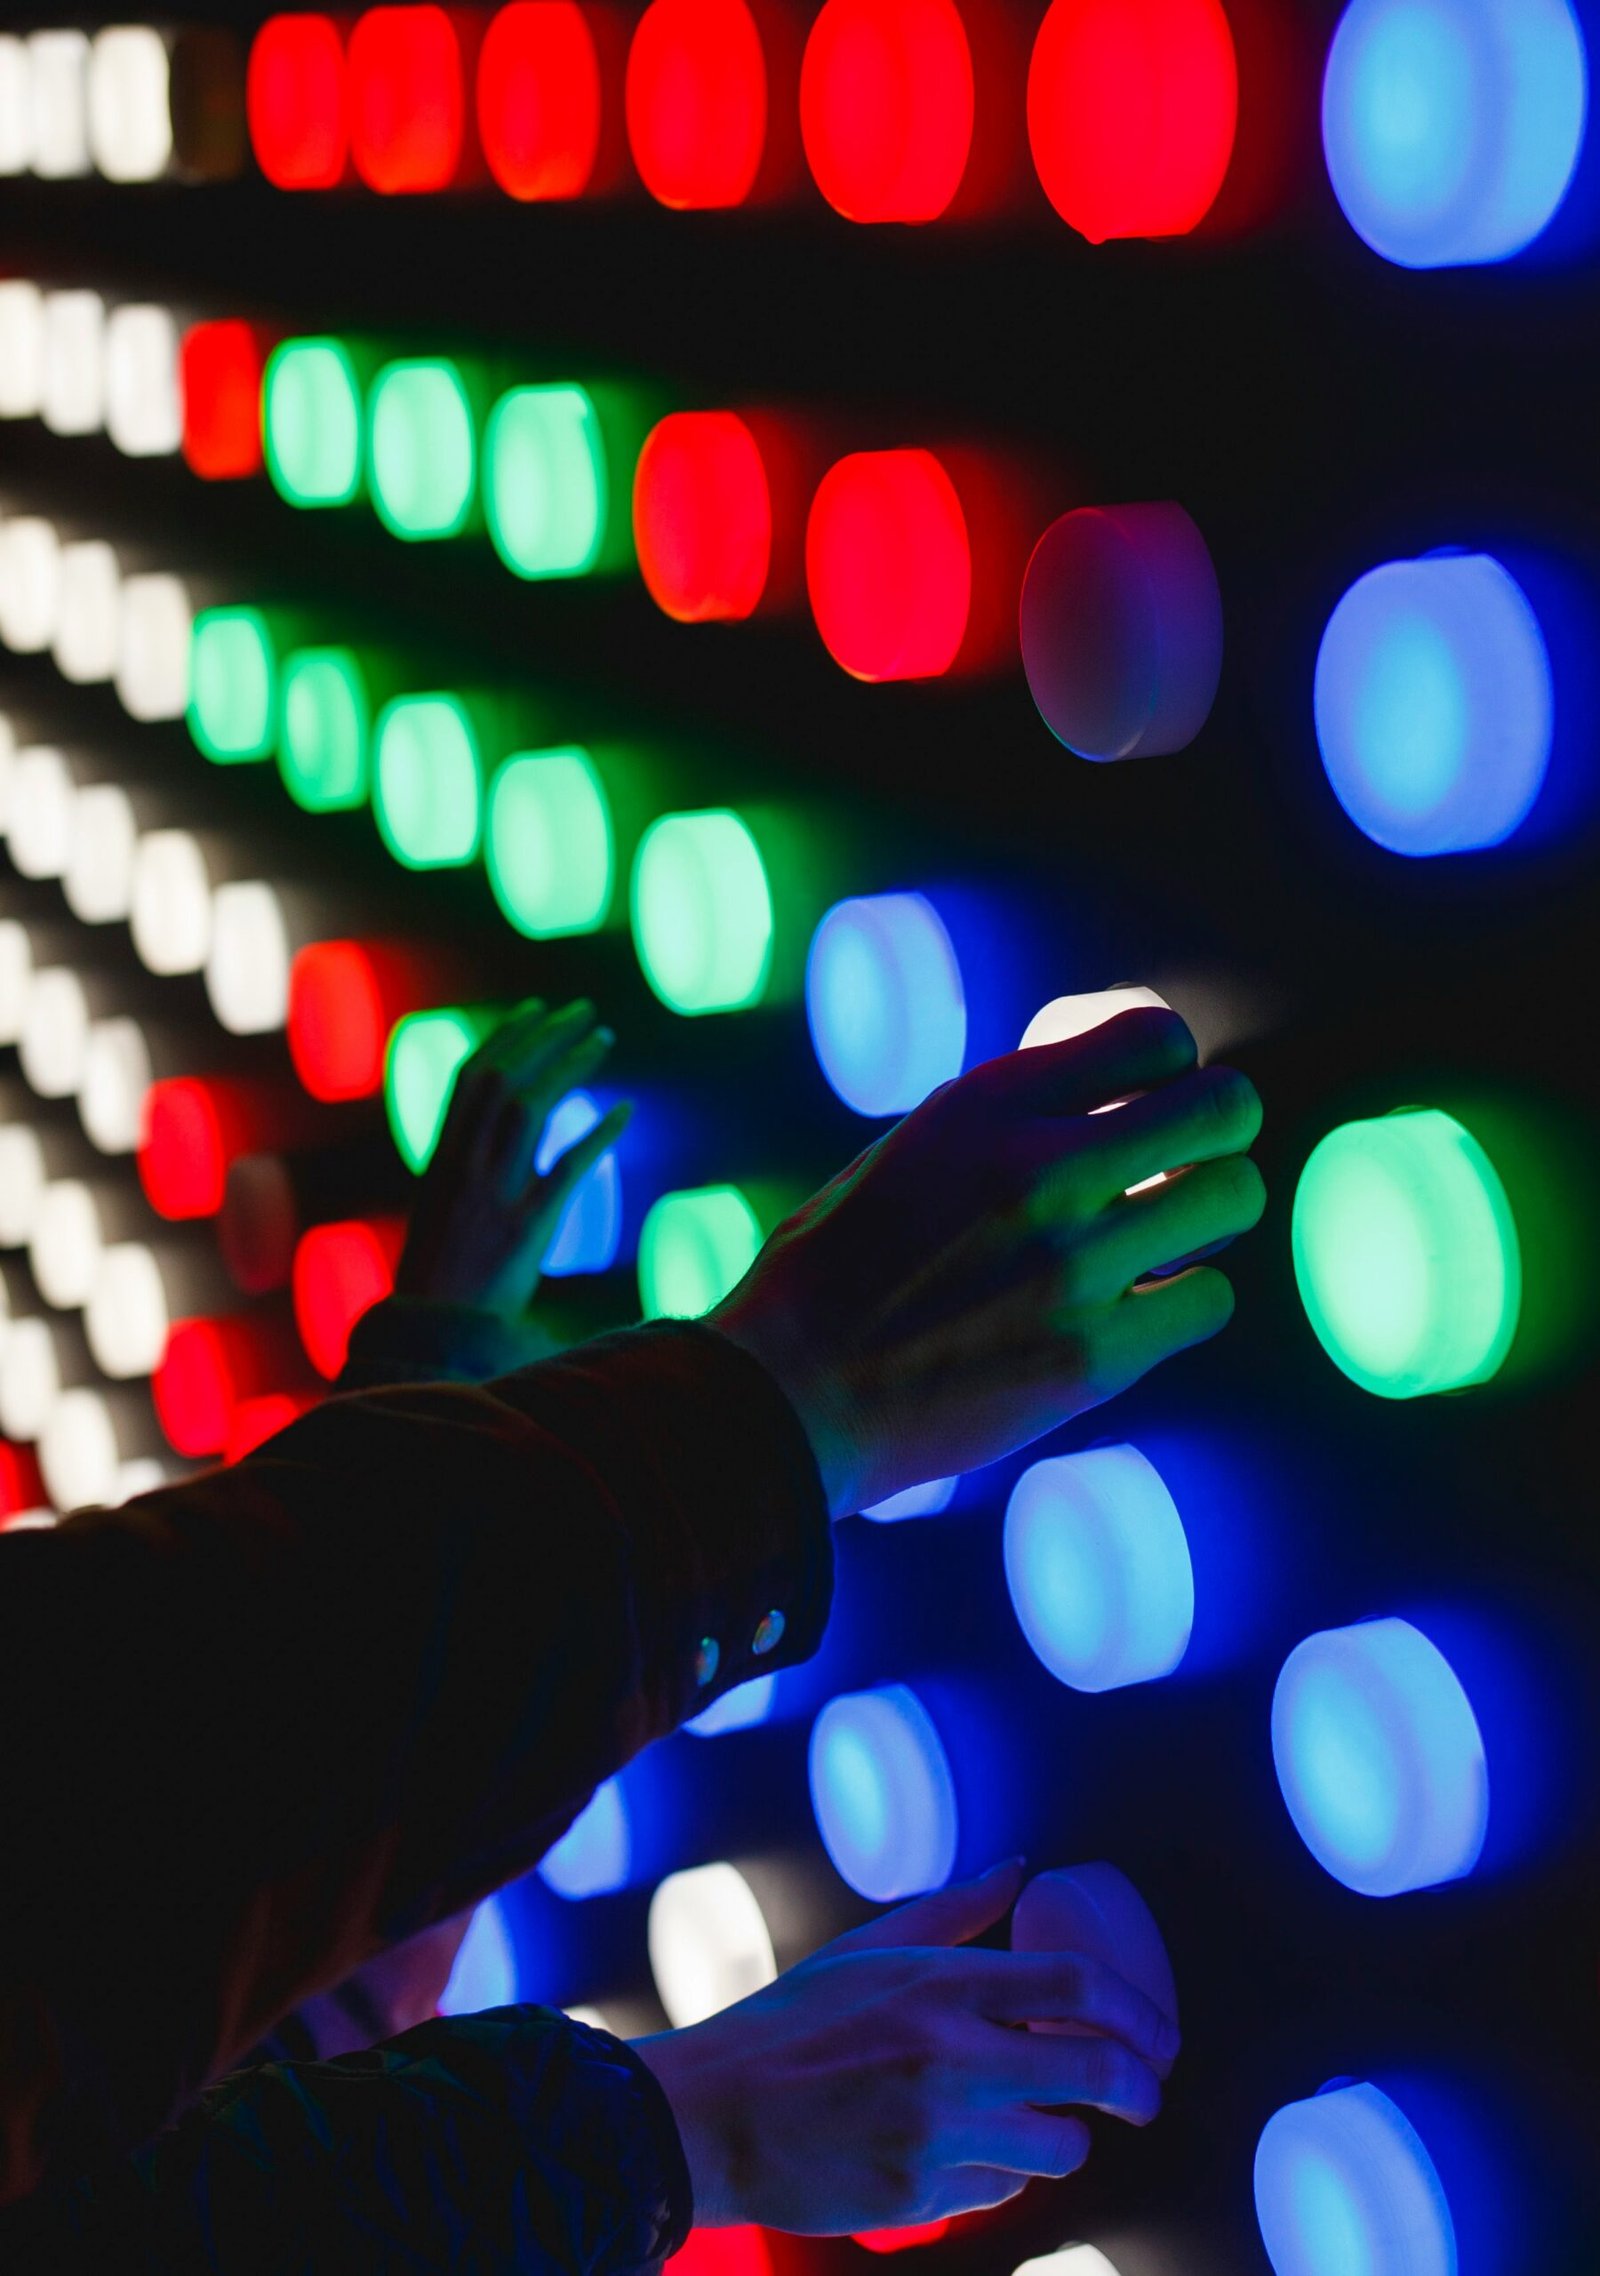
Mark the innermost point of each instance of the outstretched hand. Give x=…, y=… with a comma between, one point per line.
x=486, y=1215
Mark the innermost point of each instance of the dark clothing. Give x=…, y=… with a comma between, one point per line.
x=256, y=1728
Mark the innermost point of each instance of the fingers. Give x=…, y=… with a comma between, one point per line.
x=1064, y=1987
x=565, y=1057
x=1155, y=1320
x=948, y=1916
x=1032, y=2142
x=1133, y=1052
x=1203, y=1209
x=1205, y=1115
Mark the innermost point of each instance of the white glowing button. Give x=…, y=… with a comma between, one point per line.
x=16, y=977
x=43, y=796
x=1066, y=1017
x=79, y=1453
x=58, y=68
x=143, y=1475
x=21, y=348
x=1075, y=2260
x=116, y=1075
x=144, y=401
x=55, y=1033
x=126, y=1319
x=709, y=1943
x=30, y=1521
x=30, y=1379
x=65, y=1249
x=72, y=398
x=247, y=971
x=8, y=760
x=88, y=606
x=170, y=914
x=593, y=2017
x=153, y=653
x=98, y=877
x=30, y=583
x=22, y=1181
x=16, y=110
x=130, y=103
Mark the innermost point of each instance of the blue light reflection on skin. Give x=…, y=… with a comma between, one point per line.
x=883, y=1794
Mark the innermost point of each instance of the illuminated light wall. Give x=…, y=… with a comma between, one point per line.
x=658, y=506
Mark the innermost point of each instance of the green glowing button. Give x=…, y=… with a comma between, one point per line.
x=233, y=684
x=694, y=1247
x=549, y=843
x=325, y=730
x=1406, y=1254
x=427, y=1051
x=422, y=448
x=311, y=422
x=428, y=781
x=702, y=912
x=545, y=489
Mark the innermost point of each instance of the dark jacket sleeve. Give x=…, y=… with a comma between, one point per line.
x=257, y=1726
x=515, y=2141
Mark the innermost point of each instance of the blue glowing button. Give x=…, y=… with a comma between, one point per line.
x=590, y=1230
x=882, y=1792
x=885, y=1002
x=595, y=1854
x=1098, y=1568
x=1380, y=1758
x=1434, y=704
x=485, y=1973
x=914, y=1501
x=1345, y=2187
x=1452, y=127
x=737, y=1710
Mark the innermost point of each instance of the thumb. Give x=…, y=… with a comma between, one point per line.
x=946, y=1916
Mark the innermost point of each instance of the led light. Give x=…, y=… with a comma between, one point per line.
x=427, y=790
x=221, y=366
x=1075, y=2260
x=889, y=565
x=233, y=684
x=696, y=101
x=170, y=908
x=1098, y=1568
x=152, y=677
x=903, y=2239
x=485, y=1970
x=545, y=488
x=340, y=1272
x=35, y=1368
x=1132, y=106
x=65, y=1249
x=709, y=1943
x=407, y=97
x=16, y=977
x=89, y=604
x=914, y=1501
x=30, y=583
x=1344, y=2182
x=117, y=1075
x=254, y=935
x=325, y=737
x=58, y=64
x=1452, y=128
x=885, y=1002
x=702, y=913
x=694, y=1247
x=195, y=1127
x=143, y=405
x=260, y=1223
x=1406, y=1254
x=22, y=1182
x=1435, y=709
x=16, y=108
x=295, y=102
x=590, y=1229
x=539, y=99
x=426, y=1053
x=723, y=2252
x=21, y=1487
x=1380, y=1758
x=129, y=103
x=422, y=448
x=1122, y=630
x=344, y=998
x=886, y=107
x=8, y=757
x=593, y=1856
x=196, y=1385
x=312, y=422
x=21, y=348
x=1065, y=1018
x=550, y=848
x=702, y=517
x=254, y=1421
x=84, y=1446
x=43, y=796
x=55, y=1033
x=740, y=1709
x=126, y=1316
x=881, y=1789
x=72, y=396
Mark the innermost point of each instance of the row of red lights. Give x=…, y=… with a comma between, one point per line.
x=904, y=110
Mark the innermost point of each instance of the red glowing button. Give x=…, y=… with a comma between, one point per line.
x=295, y=102
x=889, y=565
x=21, y=1486
x=409, y=125
x=208, y=1368
x=696, y=101
x=220, y=368
x=723, y=2252
x=1132, y=106
x=340, y=1272
x=702, y=517
x=901, y=2240
x=344, y=997
x=196, y=1125
x=886, y=105
x=539, y=99
x=254, y=1421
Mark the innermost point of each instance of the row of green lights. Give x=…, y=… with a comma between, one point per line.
x=441, y=448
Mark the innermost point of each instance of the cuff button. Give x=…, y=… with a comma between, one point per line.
x=769, y=1632
x=706, y=1661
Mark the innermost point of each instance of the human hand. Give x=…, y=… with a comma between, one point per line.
x=485, y=1217
x=979, y=1274
x=885, y=2080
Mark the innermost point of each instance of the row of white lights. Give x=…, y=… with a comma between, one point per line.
x=85, y=365
x=73, y=104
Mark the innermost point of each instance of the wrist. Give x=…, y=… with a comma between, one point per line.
x=818, y=1401
x=671, y=2057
